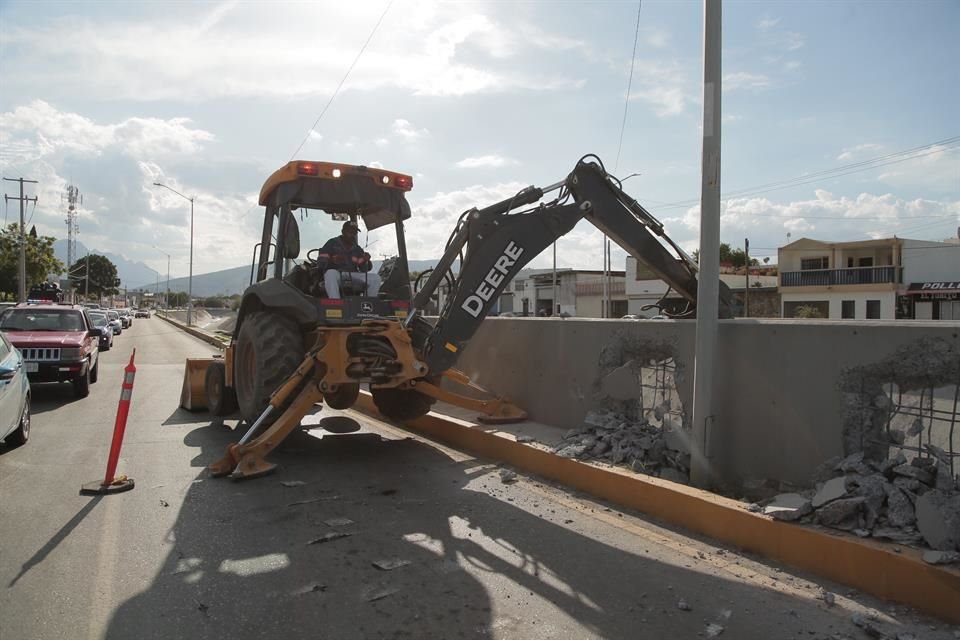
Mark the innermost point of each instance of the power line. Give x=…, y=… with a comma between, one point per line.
x=344, y=79
x=626, y=100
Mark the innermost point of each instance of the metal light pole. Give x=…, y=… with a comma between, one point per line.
x=708, y=285
x=190, y=274
x=166, y=298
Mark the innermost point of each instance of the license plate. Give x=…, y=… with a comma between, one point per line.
x=32, y=367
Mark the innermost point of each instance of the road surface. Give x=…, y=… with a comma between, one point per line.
x=461, y=553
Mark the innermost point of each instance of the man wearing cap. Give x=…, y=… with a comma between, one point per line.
x=345, y=256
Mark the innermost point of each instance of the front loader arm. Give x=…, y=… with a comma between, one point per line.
x=496, y=244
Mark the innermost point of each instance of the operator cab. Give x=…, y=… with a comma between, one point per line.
x=368, y=198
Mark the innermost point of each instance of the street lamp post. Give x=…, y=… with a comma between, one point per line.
x=190, y=274
x=166, y=298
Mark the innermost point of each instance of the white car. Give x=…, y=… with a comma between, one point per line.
x=115, y=322
x=14, y=396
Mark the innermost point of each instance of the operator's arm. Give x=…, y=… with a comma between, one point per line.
x=360, y=259
x=336, y=256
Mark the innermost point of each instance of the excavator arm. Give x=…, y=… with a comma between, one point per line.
x=494, y=243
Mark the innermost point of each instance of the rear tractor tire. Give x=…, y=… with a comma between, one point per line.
x=344, y=397
x=401, y=404
x=221, y=399
x=269, y=349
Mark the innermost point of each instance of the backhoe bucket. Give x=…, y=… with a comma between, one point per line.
x=193, y=394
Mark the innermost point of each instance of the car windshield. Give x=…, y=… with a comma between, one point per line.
x=98, y=319
x=41, y=320
x=113, y=315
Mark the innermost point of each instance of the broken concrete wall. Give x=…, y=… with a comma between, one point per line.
x=782, y=389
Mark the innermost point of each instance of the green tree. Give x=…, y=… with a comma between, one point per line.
x=41, y=260
x=729, y=255
x=178, y=299
x=807, y=311
x=103, y=276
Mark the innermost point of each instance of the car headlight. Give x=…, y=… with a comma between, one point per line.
x=70, y=353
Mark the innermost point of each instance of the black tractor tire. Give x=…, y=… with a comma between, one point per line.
x=95, y=372
x=269, y=349
x=81, y=385
x=401, y=404
x=221, y=399
x=22, y=434
x=344, y=397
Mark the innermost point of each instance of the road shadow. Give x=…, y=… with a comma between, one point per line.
x=51, y=544
x=49, y=396
x=243, y=565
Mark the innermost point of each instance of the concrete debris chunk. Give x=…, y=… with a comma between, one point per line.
x=851, y=463
x=788, y=506
x=941, y=557
x=869, y=625
x=292, y=483
x=826, y=470
x=896, y=436
x=683, y=605
x=329, y=537
x=714, y=630
x=841, y=513
x=899, y=536
x=938, y=453
x=379, y=593
x=907, y=484
x=390, y=564
x=338, y=522
x=508, y=476
x=831, y=490
x=873, y=490
x=945, y=480
x=916, y=427
x=887, y=466
x=828, y=598
x=923, y=463
x=903, y=635
x=910, y=471
x=900, y=511
x=525, y=438
x=938, y=519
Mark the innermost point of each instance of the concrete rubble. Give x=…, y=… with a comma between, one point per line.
x=608, y=436
x=909, y=502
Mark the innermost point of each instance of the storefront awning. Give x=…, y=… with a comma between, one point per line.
x=928, y=288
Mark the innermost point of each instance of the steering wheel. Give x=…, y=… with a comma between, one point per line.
x=316, y=254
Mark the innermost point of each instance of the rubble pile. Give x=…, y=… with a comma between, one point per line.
x=914, y=502
x=644, y=447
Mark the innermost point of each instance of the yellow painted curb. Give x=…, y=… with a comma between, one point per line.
x=196, y=333
x=867, y=565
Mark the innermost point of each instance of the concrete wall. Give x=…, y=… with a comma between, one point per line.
x=780, y=399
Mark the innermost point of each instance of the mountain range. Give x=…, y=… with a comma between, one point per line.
x=129, y=271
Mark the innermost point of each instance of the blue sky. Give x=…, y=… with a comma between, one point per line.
x=476, y=100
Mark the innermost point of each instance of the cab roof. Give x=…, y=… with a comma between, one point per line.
x=376, y=195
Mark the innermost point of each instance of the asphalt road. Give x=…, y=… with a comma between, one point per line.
x=187, y=556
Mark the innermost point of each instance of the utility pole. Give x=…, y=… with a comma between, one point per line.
x=746, y=289
x=86, y=285
x=556, y=303
x=22, y=291
x=708, y=285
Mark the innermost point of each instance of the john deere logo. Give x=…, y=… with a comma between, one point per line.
x=366, y=307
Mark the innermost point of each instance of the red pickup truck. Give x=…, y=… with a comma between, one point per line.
x=57, y=342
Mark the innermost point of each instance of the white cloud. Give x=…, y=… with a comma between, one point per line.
x=743, y=80
x=792, y=65
x=485, y=161
x=767, y=23
x=849, y=153
x=313, y=136
x=381, y=142
x=404, y=129
x=793, y=41
x=38, y=130
x=666, y=85
x=421, y=49
x=825, y=217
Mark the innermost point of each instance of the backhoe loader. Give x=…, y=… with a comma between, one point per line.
x=295, y=346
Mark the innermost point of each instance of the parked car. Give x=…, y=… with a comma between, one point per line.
x=142, y=313
x=57, y=344
x=125, y=318
x=14, y=396
x=7, y=305
x=102, y=322
x=115, y=321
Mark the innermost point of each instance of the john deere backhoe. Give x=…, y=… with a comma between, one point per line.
x=295, y=346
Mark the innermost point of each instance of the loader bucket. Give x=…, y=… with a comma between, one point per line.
x=193, y=395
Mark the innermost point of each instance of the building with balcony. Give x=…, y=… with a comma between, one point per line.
x=580, y=293
x=881, y=279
